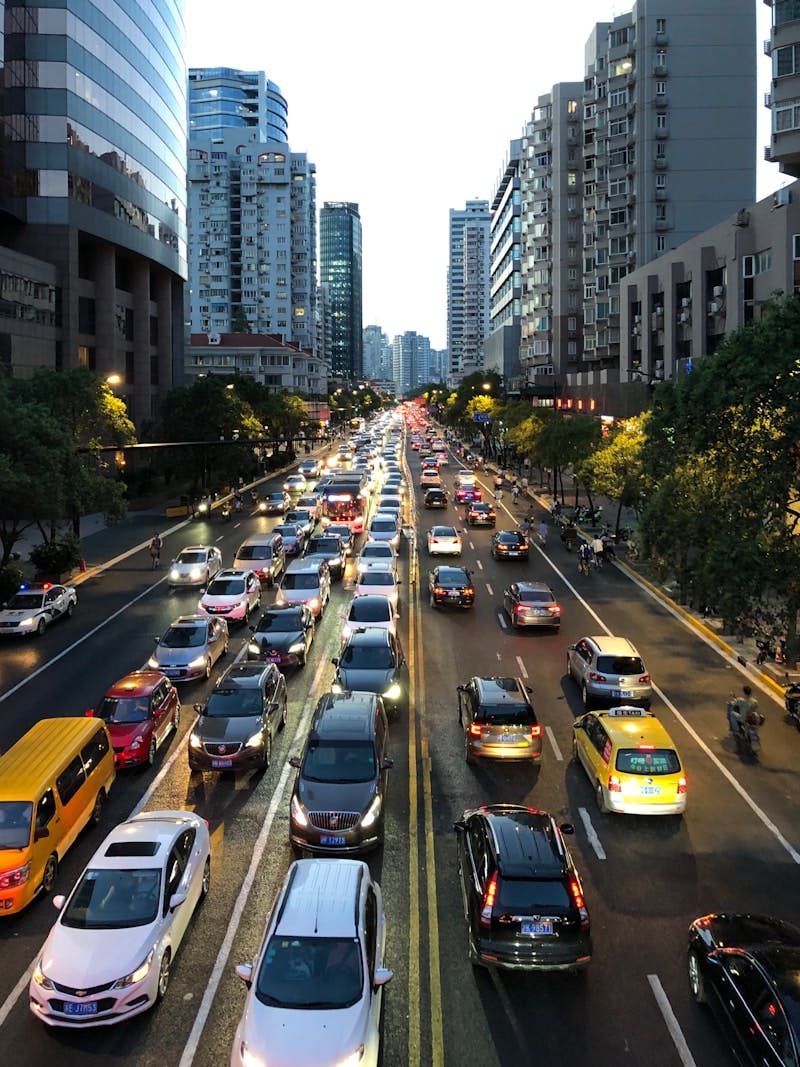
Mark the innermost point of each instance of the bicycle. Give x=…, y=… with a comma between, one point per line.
x=584, y=566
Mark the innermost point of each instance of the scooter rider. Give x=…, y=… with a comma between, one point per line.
x=569, y=535
x=743, y=711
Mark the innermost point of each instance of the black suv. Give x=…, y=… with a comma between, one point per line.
x=330, y=548
x=509, y=544
x=371, y=662
x=238, y=723
x=435, y=498
x=522, y=894
x=451, y=585
x=337, y=805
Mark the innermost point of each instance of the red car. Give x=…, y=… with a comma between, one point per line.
x=466, y=494
x=139, y=710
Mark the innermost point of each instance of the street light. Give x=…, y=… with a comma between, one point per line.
x=114, y=379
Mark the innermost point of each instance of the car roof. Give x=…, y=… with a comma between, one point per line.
x=348, y=719
x=631, y=726
x=444, y=529
x=365, y=599
x=613, y=646
x=302, y=565
x=501, y=690
x=526, y=841
x=145, y=837
x=368, y=635
x=190, y=620
x=232, y=572
x=136, y=684
x=244, y=675
x=321, y=900
x=447, y=568
x=533, y=587
x=195, y=548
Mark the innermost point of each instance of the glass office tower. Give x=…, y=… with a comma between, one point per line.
x=341, y=277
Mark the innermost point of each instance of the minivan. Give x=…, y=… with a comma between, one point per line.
x=264, y=554
x=53, y=782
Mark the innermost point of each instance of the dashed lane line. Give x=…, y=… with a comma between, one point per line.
x=591, y=834
x=673, y=1026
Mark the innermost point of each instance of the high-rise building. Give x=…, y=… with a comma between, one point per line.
x=468, y=287
x=341, y=273
x=377, y=354
x=221, y=98
x=501, y=349
x=411, y=361
x=783, y=49
x=93, y=186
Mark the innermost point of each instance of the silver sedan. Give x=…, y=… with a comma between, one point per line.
x=194, y=565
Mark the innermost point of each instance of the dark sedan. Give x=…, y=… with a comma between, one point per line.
x=480, y=514
x=283, y=635
x=745, y=968
x=275, y=503
x=328, y=547
x=435, y=498
x=452, y=586
x=532, y=604
x=510, y=544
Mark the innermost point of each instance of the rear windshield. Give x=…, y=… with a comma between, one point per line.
x=254, y=552
x=301, y=581
x=620, y=665
x=376, y=577
x=650, y=761
x=505, y=715
x=323, y=545
x=372, y=611
x=522, y=895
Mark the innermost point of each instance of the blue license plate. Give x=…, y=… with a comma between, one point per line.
x=622, y=692
x=272, y=659
x=540, y=929
x=326, y=839
x=71, y=1008
x=221, y=764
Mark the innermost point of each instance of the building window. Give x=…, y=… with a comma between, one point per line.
x=786, y=117
x=661, y=242
x=661, y=25
x=661, y=150
x=661, y=181
x=572, y=107
x=661, y=59
x=661, y=212
x=661, y=88
x=661, y=121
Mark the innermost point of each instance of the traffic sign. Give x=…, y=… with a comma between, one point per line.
x=481, y=416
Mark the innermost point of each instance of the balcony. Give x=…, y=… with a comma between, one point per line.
x=660, y=163
x=661, y=133
x=661, y=194
x=661, y=102
x=662, y=225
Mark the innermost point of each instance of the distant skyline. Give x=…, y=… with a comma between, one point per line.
x=408, y=111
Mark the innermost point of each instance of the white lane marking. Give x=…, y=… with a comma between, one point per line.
x=86, y=636
x=220, y=538
x=591, y=834
x=471, y=545
x=521, y=666
x=502, y=620
x=480, y=565
x=551, y=737
x=675, y=1031
x=221, y=962
x=489, y=589
x=18, y=989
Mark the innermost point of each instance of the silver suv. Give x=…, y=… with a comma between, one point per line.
x=608, y=670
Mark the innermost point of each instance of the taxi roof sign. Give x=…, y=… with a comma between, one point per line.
x=627, y=711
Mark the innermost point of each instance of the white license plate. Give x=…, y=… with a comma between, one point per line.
x=537, y=929
x=71, y=1008
x=453, y=596
x=170, y=671
x=622, y=692
x=512, y=552
x=326, y=839
x=221, y=764
x=650, y=791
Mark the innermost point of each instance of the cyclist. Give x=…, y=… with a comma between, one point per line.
x=155, y=550
x=585, y=557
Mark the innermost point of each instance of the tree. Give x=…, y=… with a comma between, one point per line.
x=240, y=322
x=615, y=468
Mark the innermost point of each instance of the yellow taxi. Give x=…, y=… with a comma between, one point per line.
x=631, y=761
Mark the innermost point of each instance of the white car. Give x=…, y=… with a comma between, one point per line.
x=444, y=541
x=233, y=594
x=370, y=610
x=384, y=527
x=195, y=565
x=314, y=990
x=295, y=483
x=378, y=577
x=109, y=954
x=33, y=607
x=377, y=552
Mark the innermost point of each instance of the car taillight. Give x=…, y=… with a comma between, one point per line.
x=681, y=786
x=434, y=540
x=488, y=901
x=580, y=903
x=469, y=591
x=536, y=731
x=595, y=677
x=439, y=590
x=646, y=748
x=474, y=729
x=644, y=679
x=520, y=608
x=554, y=609
x=614, y=785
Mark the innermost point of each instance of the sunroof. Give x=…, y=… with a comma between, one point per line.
x=133, y=848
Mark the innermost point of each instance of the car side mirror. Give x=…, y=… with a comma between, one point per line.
x=528, y=689
x=571, y=648
x=567, y=828
x=198, y=708
x=41, y=831
x=245, y=972
x=578, y=725
x=58, y=901
x=294, y=761
x=335, y=661
x=459, y=827
x=176, y=900
x=381, y=977
x=387, y=764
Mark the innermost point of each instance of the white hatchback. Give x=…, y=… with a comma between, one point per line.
x=233, y=594
x=376, y=552
x=444, y=541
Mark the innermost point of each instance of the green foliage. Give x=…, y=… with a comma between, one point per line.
x=57, y=556
x=10, y=581
x=240, y=322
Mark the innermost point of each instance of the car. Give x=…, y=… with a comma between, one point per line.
x=344, y=533
x=140, y=711
x=468, y=492
x=236, y=727
x=264, y=554
x=378, y=577
x=384, y=528
x=306, y=581
x=376, y=552
x=435, y=498
x=324, y=943
x=510, y=544
x=283, y=635
x=499, y=720
x=311, y=502
x=194, y=565
x=337, y=804
x=631, y=762
x=744, y=968
x=522, y=893
x=371, y=661
x=110, y=953
x=395, y=483
x=277, y=503
x=295, y=484
x=370, y=609
x=532, y=604
x=190, y=647
x=327, y=547
x=607, y=669
x=309, y=468
x=480, y=513
x=391, y=502
x=452, y=586
x=303, y=518
x=442, y=459
x=234, y=594
x=444, y=541
x=293, y=537
x=33, y=607
x=429, y=477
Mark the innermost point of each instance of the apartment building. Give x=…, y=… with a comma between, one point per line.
x=411, y=361
x=468, y=288
x=267, y=358
x=501, y=347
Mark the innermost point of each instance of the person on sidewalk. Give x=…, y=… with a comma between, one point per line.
x=155, y=550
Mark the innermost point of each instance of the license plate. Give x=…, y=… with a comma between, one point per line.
x=540, y=929
x=221, y=763
x=170, y=672
x=272, y=659
x=650, y=791
x=622, y=692
x=326, y=839
x=72, y=1008
x=512, y=552
x=513, y=738
x=453, y=596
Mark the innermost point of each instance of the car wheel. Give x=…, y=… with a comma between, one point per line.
x=41, y=626
x=176, y=719
x=585, y=698
x=696, y=983
x=208, y=667
x=50, y=872
x=97, y=810
x=284, y=715
x=70, y=610
x=266, y=756
x=467, y=752
x=205, y=885
x=163, y=975
x=600, y=797
x=151, y=752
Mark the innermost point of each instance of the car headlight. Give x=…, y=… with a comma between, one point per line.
x=40, y=978
x=153, y=662
x=195, y=572
x=353, y=1059
x=298, y=646
x=372, y=813
x=137, y=742
x=195, y=740
x=198, y=662
x=393, y=692
x=337, y=687
x=255, y=740
x=30, y=621
x=139, y=974
x=298, y=814
x=254, y=648
x=174, y=574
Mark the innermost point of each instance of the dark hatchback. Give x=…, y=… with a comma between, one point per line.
x=330, y=548
x=277, y=503
x=337, y=805
x=451, y=586
x=480, y=514
x=236, y=727
x=283, y=635
x=435, y=498
x=747, y=969
x=371, y=661
x=510, y=544
x=522, y=894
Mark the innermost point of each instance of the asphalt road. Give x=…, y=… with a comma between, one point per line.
x=645, y=879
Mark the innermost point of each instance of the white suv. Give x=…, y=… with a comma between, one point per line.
x=233, y=594
x=323, y=945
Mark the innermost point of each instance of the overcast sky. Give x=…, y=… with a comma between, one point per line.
x=407, y=109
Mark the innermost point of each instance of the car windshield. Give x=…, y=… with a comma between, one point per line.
x=504, y=715
x=311, y=973
x=509, y=538
x=378, y=577
x=233, y=703
x=226, y=587
x=376, y=552
x=123, y=709
x=303, y=516
x=189, y=558
x=367, y=657
x=383, y=526
x=276, y=497
x=620, y=665
x=184, y=637
x=339, y=761
x=369, y=610
x=25, y=601
x=289, y=533
x=254, y=552
x=344, y=533
x=549, y=895
x=650, y=761
x=280, y=622
x=15, y=823
x=323, y=546
x=443, y=531
x=301, y=581
x=114, y=900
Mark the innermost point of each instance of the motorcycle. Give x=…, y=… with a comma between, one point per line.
x=569, y=535
x=203, y=509
x=225, y=512
x=745, y=732
x=768, y=650
x=791, y=700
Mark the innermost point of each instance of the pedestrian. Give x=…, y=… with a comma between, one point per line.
x=515, y=492
x=498, y=494
x=524, y=484
x=155, y=550
x=599, y=550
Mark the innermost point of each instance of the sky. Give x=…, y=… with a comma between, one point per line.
x=407, y=109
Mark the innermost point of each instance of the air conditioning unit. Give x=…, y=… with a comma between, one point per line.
x=659, y=365
x=713, y=307
x=637, y=319
x=718, y=290
x=658, y=310
x=214, y=339
x=685, y=316
x=781, y=197
x=686, y=301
